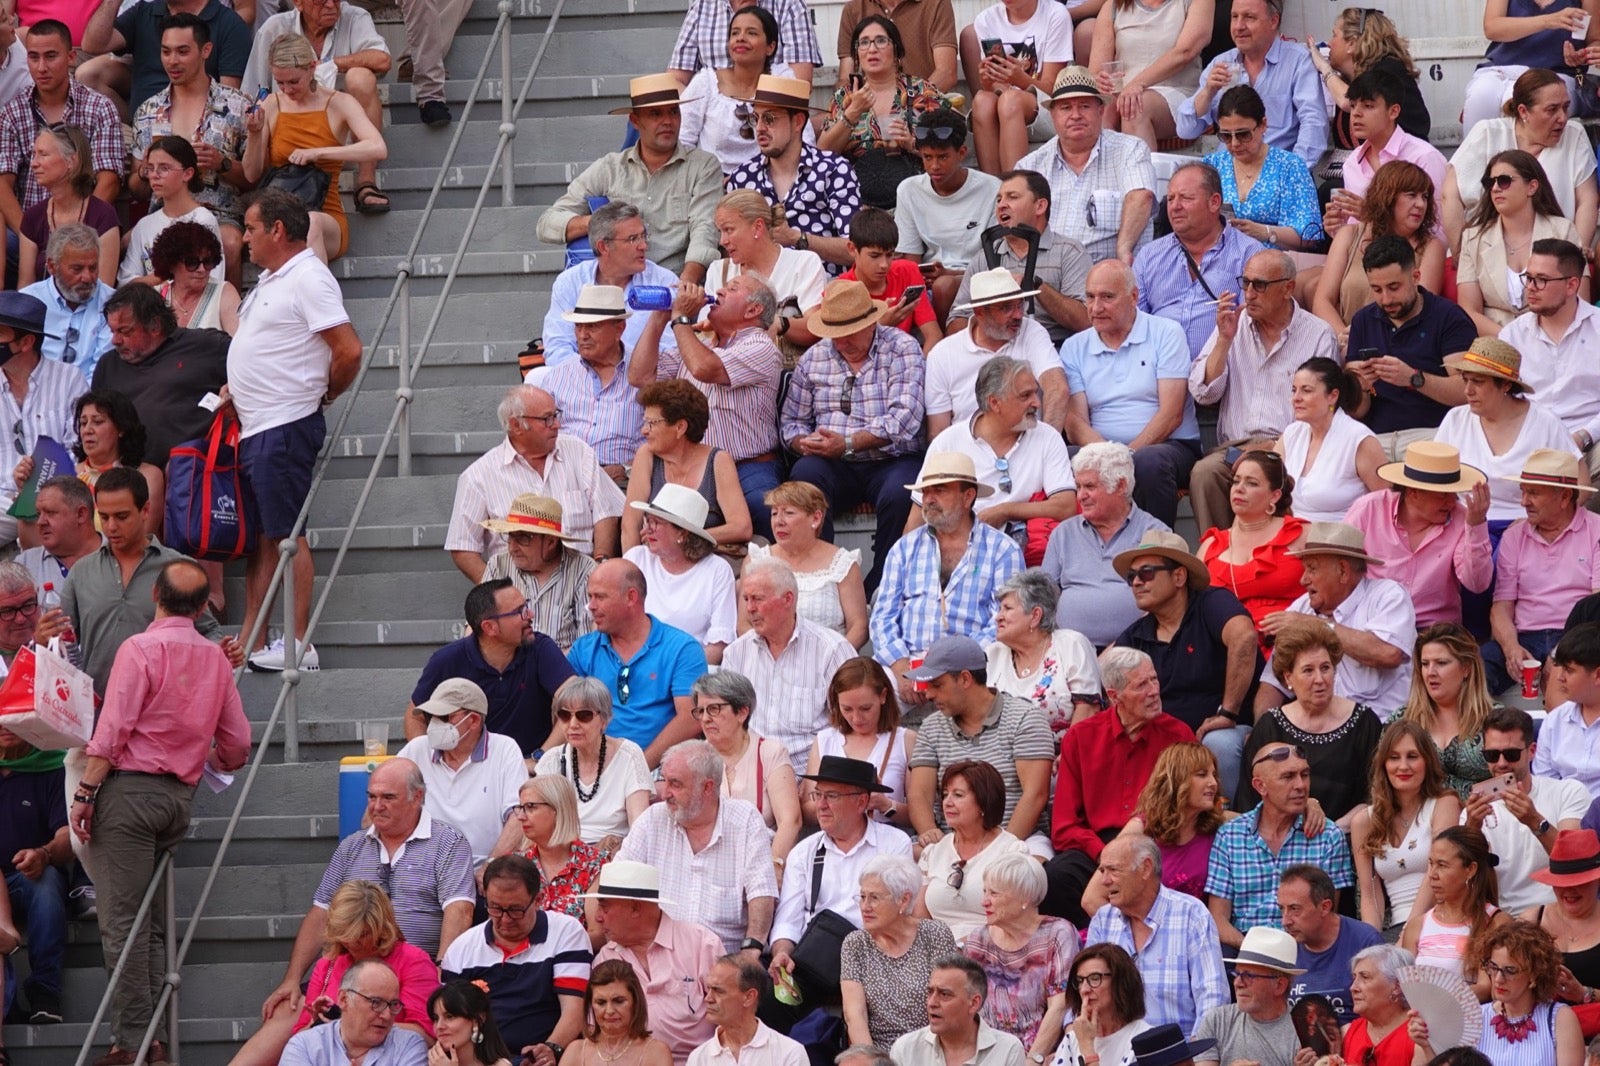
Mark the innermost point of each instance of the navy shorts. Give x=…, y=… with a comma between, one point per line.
x=277, y=465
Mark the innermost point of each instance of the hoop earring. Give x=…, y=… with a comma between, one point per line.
x=477, y=1035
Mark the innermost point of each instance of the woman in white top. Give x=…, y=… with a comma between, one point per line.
x=831, y=590
x=1537, y=123
x=690, y=586
x=1158, y=44
x=609, y=774
x=754, y=769
x=1053, y=668
x=1011, y=53
x=1106, y=996
x=974, y=803
x=1498, y=427
x=1332, y=457
x=1465, y=891
x=745, y=223
x=864, y=723
x=1392, y=837
x=716, y=105
x=174, y=175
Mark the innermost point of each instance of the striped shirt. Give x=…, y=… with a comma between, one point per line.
x=572, y=476
x=604, y=415
x=885, y=397
x=426, y=874
x=1253, y=387
x=561, y=605
x=21, y=123
x=1181, y=963
x=560, y=339
x=791, y=689
x=525, y=981
x=744, y=412
x=914, y=608
x=1013, y=730
x=46, y=411
x=1088, y=207
x=1244, y=872
x=710, y=887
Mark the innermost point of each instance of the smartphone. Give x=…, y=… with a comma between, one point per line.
x=1494, y=786
x=928, y=269
x=913, y=293
x=858, y=81
x=1366, y=353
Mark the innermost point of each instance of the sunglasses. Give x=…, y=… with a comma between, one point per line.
x=958, y=875
x=1279, y=755
x=1259, y=284
x=1236, y=136
x=199, y=263
x=1499, y=181
x=746, y=118
x=1003, y=468
x=1503, y=754
x=1147, y=573
x=935, y=133
x=584, y=715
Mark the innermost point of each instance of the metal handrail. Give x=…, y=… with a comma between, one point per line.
x=285, y=705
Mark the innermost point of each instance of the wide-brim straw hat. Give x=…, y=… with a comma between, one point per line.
x=680, y=506
x=941, y=468
x=1270, y=949
x=531, y=513
x=653, y=90
x=995, y=286
x=1335, y=538
x=846, y=308
x=789, y=93
x=1170, y=546
x=1548, y=468
x=627, y=879
x=1432, y=467
x=1493, y=358
x=599, y=303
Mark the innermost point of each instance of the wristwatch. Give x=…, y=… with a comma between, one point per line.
x=1418, y=380
x=1544, y=827
x=849, y=447
x=683, y=320
x=1232, y=716
x=803, y=242
x=751, y=943
x=555, y=1047
x=1035, y=1057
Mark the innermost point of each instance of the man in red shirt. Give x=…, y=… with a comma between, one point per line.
x=1105, y=762
x=170, y=695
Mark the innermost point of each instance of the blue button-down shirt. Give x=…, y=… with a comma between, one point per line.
x=79, y=335
x=560, y=341
x=1168, y=289
x=1245, y=873
x=913, y=608
x=322, y=1044
x=1297, y=112
x=1181, y=963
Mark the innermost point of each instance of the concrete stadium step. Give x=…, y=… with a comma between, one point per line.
x=338, y=697
x=204, y=1041
x=209, y=990
x=265, y=839
x=296, y=790
x=506, y=230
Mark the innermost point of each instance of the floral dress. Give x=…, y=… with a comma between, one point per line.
x=912, y=96
x=563, y=890
x=1283, y=195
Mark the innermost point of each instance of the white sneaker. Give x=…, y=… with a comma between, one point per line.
x=270, y=658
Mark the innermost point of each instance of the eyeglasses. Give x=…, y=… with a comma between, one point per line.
x=638, y=238
x=525, y=611
x=1361, y=20
x=200, y=263
x=549, y=420
x=164, y=169
x=844, y=398
x=1501, y=971
x=1258, y=284
x=863, y=43
x=832, y=797
x=872, y=899
x=652, y=423
x=1089, y=214
x=1090, y=980
x=710, y=710
x=508, y=912
x=380, y=1005
x=17, y=438
x=1489, y=754
x=934, y=133
x=958, y=875
x=1147, y=573
x=529, y=808
x=1499, y=181
x=1249, y=978
x=1003, y=466
x=1279, y=755
x=583, y=714
x=1236, y=136
x=771, y=119
x=11, y=614
x=623, y=690
x=1539, y=281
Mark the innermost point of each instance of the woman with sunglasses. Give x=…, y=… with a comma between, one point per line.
x=716, y=105
x=1330, y=732
x=873, y=114
x=1451, y=933
x=1106, y=996
x=973, y=803
x=547, y=811
x=465, y=1027
x=1333, y=459
x=1450, y=699
x=1270, y=190
x=183, y=257
x=1518, y=208
x=1252, y=556
x=63, y=165
x=609, y=775
x=173, y=172
x=754, y=768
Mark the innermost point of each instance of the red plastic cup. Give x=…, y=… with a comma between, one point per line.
x=916, y=661
x=1530, y=679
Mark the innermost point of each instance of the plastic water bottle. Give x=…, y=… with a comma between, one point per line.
x=655, y=298
x=51, y=601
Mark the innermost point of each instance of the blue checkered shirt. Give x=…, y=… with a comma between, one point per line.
x=885, y=398
x=1245, y=873
x=913, y=609
x=1181, y=963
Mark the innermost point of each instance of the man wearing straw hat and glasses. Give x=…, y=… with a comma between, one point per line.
x=594, y=392
x=853, y=413
x=658, y=174
x=543, y=566
x=1429, y=541
x=998, y=325
x=1256, y=1027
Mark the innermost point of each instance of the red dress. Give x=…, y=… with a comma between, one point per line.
x=1270, y=581
x=1396, y=1049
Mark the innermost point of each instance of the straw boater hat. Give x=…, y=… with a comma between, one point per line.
x=1167, y=546
x=530, y=513
x=1575, y=859
x=941, y=468
x=1551, y=469
x=1434, y=467
x=846, y=308
x=790, y=93
x=1269, y=948
x=681, y=506
x=627, y=879
x=1336, y=538
x=994, y=287
x=1074, y=81
x=653, y=90
x=1493, y=358
x=599, y=303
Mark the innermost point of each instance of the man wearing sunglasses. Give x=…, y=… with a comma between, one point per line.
x=365, y=1030
x=1521, y=820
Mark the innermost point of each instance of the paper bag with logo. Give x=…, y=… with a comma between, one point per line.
x=47, y=701
x=206, y=515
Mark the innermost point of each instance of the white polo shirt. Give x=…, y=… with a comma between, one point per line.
x=1038, y=462
x=951, y=382
x=476, y=797
x=278, y=363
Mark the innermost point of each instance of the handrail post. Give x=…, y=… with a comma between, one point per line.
x=403, y=430
x=290, y=547
x=508, y=128
x=174, y=978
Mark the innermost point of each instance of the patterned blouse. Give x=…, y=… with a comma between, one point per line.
x=912, y=96
x=564, y=889
x=1283, y=195
x=1021, y=982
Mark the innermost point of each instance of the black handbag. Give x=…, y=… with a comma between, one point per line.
x=305, y=182
x=816, y=956
x=880, y=173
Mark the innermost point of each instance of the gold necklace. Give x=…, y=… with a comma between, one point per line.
x=599, y=1049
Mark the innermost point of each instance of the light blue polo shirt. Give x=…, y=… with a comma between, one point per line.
x=1121, y=384
x=642, y=689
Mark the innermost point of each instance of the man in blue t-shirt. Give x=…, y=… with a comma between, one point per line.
x=138, y=31
x=1328, y=942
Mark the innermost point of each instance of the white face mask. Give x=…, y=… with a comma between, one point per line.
x=442, y=735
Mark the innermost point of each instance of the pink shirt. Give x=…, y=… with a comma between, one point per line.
x=1358, y=169
x=1450, y=556
x=1546, y=579
x=418, y=974
x=170, y=693
x=673, y=973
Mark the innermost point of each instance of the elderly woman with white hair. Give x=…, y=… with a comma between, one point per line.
x=1094, y=597
x=1034, y=658
x=755, y=769
x=609, y=775
x=1379, y=1035
x=1027, y=955
x=884, y=966
x=547, y=809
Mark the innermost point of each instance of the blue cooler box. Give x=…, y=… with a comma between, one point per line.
x=354, y=771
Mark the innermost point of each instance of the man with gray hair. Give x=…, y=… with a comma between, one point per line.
x=1168, y=933
x=790, y=660
x=19, y=609
x=74, y=298
x=714, y=854
x=1011, y=450
x=66, y=530
x=365, y=1030
x=621, y=244
x=536, y=457
x=863, y=1055
x=956, y=1031
x=739, y=375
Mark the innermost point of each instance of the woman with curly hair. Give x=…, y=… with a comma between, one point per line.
x=184, y=257
x=676, y=415
x=1410, y=803
x=464, y=1025
x=1450, y=699
x=1451, y=933
x=618, y=1021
